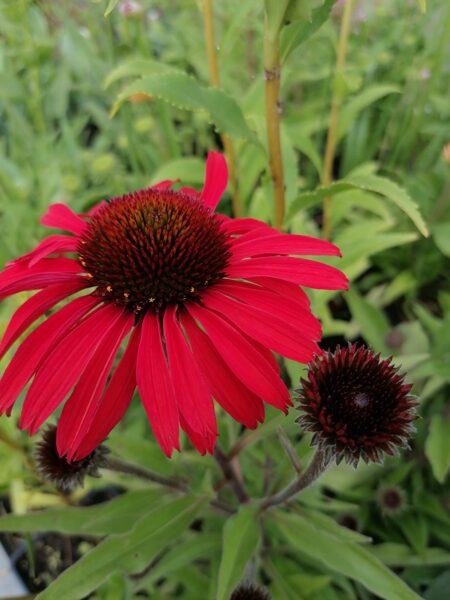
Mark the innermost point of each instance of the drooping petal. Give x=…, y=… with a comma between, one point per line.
x=283, y=288
x=52, y=244
x=155, y=385
x=236, y=399
x=244, y=225
x=64, y=365
x=216, y=180
x=279, y=243
x=204, y=443
x=60, y=216
x=280, y=336
x=296, y=270
x=115, y=400
x=20, y=277
x=35, y=307
x=243, y=359
x=79, y=410
x=164, y=185
x=36, y=347
x=285, y=307
x=193, y=397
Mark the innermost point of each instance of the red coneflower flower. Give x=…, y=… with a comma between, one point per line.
x=357, y=405
x=203, y=298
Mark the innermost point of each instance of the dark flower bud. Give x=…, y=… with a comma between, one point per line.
x=249, y=592
x=357, y=405
x=58, y=470
x=391, y=499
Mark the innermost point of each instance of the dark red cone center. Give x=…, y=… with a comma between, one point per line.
x=151, y=249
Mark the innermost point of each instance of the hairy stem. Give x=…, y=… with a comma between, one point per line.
x=211, y=50
x=330, y=146
x=231, y=475
x=315, y=468
x=272, y=75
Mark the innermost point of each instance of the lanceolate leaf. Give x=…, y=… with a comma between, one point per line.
x=183, y=91
x=240, y=538
x=437, y=447
x=111, y=6
x=347, y=558
x=126, y=553
x=117, y=516
x=138, y=67
x=299, y=31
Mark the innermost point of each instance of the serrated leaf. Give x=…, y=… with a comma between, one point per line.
x=347, y=558
x=297, y=33
x=116, y=516
x=308, y=199
x=394, y=193
x=240, y=538
x=185, y=92
x=111, y=6
x=437, y=446
x=138, y=67
x=126, y=553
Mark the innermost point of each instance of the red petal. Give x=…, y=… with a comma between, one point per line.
x=242, y=358
x=19, y=277
x=35, y=307
x=216, y=180
x=164, y=185
x=193, y=397
x=244, y=406
x=116, y=399
x=279, y=243
x=296, y=270
x=60, y=216
x=79, y=410
x=155, y=385
x=283, y=288
x=280, y=336
x=286, y=307
x=241, y=226
x=64, y=365
x=37, y=345
x=51, y=245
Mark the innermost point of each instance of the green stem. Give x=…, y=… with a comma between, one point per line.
x=330, y=146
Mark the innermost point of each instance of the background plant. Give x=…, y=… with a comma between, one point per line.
x=65, y=68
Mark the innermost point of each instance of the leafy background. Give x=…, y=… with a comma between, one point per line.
x=76, y=127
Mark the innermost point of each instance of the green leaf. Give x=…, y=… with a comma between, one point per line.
x=441, y=236
x=361, y=101
x=126, y=553
x=298, y=32
x=190, y=170
x=394, y=193
x=240, y=538
x=116, y=516
x=138, y=67
x=347, y=558
x=372, y=321
x=185, y=92
x=309, y=199
x=111, y=6
x=437, y=446
x=400, y=555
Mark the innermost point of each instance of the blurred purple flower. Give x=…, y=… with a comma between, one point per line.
x=130, y=7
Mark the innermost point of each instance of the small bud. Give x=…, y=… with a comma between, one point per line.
x=391, y=500
x=357, y=405
x=249, y=592
x=57, y=470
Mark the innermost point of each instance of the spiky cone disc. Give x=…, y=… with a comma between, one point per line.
x=357, y=405
x=65, y=475
x=391, y=500
x=249, y=592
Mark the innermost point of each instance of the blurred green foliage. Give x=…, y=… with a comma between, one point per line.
x=64, y=69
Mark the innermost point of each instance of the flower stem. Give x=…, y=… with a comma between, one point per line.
x=272, y=75
x=211, y=50
x=315, y=468
x=121, y=466
x=336, y=100
x=231, y=475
